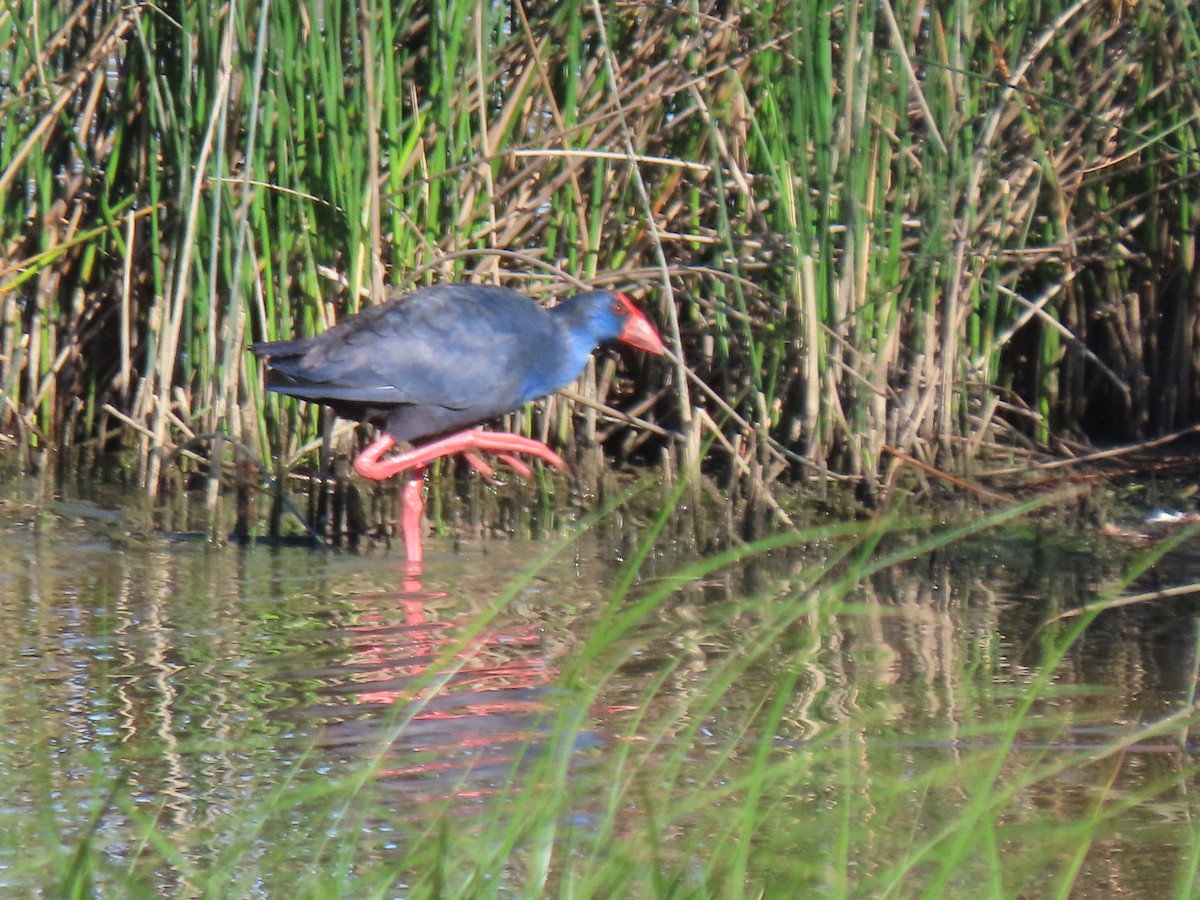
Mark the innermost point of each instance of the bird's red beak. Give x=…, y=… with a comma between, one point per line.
x=638, y=331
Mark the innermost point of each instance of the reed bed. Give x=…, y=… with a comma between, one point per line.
x=874, y=233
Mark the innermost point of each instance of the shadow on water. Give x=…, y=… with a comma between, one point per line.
x=234, y=690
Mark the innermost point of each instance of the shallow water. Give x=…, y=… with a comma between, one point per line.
x=153, y=688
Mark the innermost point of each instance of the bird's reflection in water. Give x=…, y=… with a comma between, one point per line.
x=443, y=707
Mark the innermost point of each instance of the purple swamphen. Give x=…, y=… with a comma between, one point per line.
x=442, y=359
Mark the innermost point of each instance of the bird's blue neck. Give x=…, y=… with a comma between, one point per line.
x=582, y=322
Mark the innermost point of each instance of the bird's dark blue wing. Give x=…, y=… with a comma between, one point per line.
x=454, y=346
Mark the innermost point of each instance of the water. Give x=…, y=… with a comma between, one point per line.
x=180, y=708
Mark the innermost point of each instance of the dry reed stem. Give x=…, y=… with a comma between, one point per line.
x=169, y=348
x=104, y=48
x=954, y=304
x=681, y=369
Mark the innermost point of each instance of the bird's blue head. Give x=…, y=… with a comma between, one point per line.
x=596, y=317
x=588, y=320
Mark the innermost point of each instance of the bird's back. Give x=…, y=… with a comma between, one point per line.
x=437, y=359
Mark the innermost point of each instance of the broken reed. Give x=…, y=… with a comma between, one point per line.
x=879, y=226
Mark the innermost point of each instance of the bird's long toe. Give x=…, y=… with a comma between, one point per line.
x=475, y=461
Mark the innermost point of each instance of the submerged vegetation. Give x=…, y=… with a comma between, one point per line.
x=875, y=231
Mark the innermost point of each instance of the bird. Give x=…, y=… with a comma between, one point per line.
x=428, y=366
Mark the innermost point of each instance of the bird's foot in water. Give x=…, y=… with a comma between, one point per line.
x=371, y=464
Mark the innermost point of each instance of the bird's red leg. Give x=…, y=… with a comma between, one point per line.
x=476, y=462
x=412, y=506
x=369, y=465
x=517, y=466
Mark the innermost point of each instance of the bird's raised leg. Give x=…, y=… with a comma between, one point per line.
x=370, y=464
x=367, y=463
x=476, y=462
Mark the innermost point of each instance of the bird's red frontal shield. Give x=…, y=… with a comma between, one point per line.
x=638, y=332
